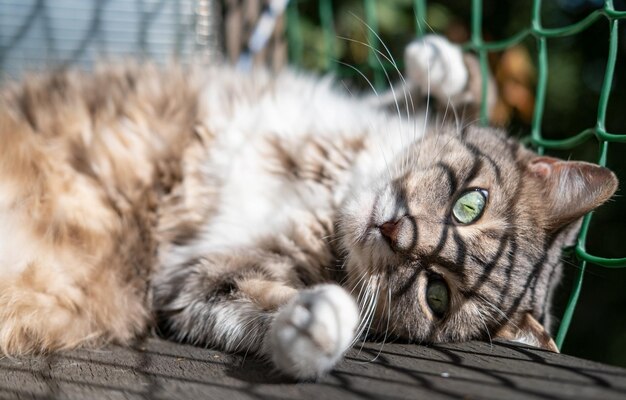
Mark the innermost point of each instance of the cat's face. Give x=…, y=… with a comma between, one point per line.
x=460, y=237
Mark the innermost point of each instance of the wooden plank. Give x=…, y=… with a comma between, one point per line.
x=164, y=370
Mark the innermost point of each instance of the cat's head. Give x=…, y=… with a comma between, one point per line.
x=461, y=237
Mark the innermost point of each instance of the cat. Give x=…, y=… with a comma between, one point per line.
x=274, y=214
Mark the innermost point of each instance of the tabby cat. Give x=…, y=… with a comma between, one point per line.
x=253, y=212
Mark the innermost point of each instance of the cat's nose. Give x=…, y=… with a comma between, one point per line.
x=390, y=230
x=400, y=234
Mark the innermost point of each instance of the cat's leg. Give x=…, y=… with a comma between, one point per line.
x=313, y=331
x=42, y=310
x=439, y=68
x=253, y=301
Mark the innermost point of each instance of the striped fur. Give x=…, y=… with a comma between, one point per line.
x=216, y=207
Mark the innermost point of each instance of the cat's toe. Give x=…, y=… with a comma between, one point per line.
x=311, y=333
x=435, y=64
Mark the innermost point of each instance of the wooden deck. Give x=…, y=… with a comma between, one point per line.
x=164, y=370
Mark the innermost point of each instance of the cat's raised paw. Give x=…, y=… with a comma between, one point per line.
x=436, y=65
x=312, y=332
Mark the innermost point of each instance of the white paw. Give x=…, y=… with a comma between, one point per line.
x=434, y=59
x=311, y=333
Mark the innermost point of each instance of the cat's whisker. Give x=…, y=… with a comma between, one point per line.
x=368, y=304
x=382, y=67
x=342, y=262
x=468, y=124
x=359, y=284
x=360, y=73
x=587, y=271
x=382, y=152
x=419, y=152
x=443, y=147
x=387, y=327
x=445, y=114
x=390, y=59
x=358, y=330
x=496, y=309
x=459, y=132
x=366, y=298
x=244, y=328
x=457, y=120
x=327, y=236
x=334, y=238
x=371, y=309
x=347, y=88
x=408, y=98
x=417, y=21
x=374, y=306
x=405, y=88
x=376, y=94
x=370, y=299
x=481, y=318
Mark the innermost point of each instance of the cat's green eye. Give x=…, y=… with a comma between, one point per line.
x=469, y=207
x=438, y=297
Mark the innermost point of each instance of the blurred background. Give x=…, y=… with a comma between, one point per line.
x=40, y=34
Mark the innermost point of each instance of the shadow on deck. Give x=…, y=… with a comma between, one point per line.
x=160, y=369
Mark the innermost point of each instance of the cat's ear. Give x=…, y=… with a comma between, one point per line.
x=528, y=331
x=571, y=188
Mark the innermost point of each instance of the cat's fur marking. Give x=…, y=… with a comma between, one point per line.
x=218, y=208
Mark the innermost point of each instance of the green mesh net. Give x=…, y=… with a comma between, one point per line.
x=482, y=48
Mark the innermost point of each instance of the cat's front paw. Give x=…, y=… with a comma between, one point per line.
x=312, y=332
x=435, y=64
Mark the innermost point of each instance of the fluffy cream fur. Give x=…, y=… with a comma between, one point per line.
x=215, y=207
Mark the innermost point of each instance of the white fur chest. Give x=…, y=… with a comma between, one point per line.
x=321, y=132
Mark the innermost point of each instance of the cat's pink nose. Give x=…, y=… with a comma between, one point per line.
x=390, y=230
